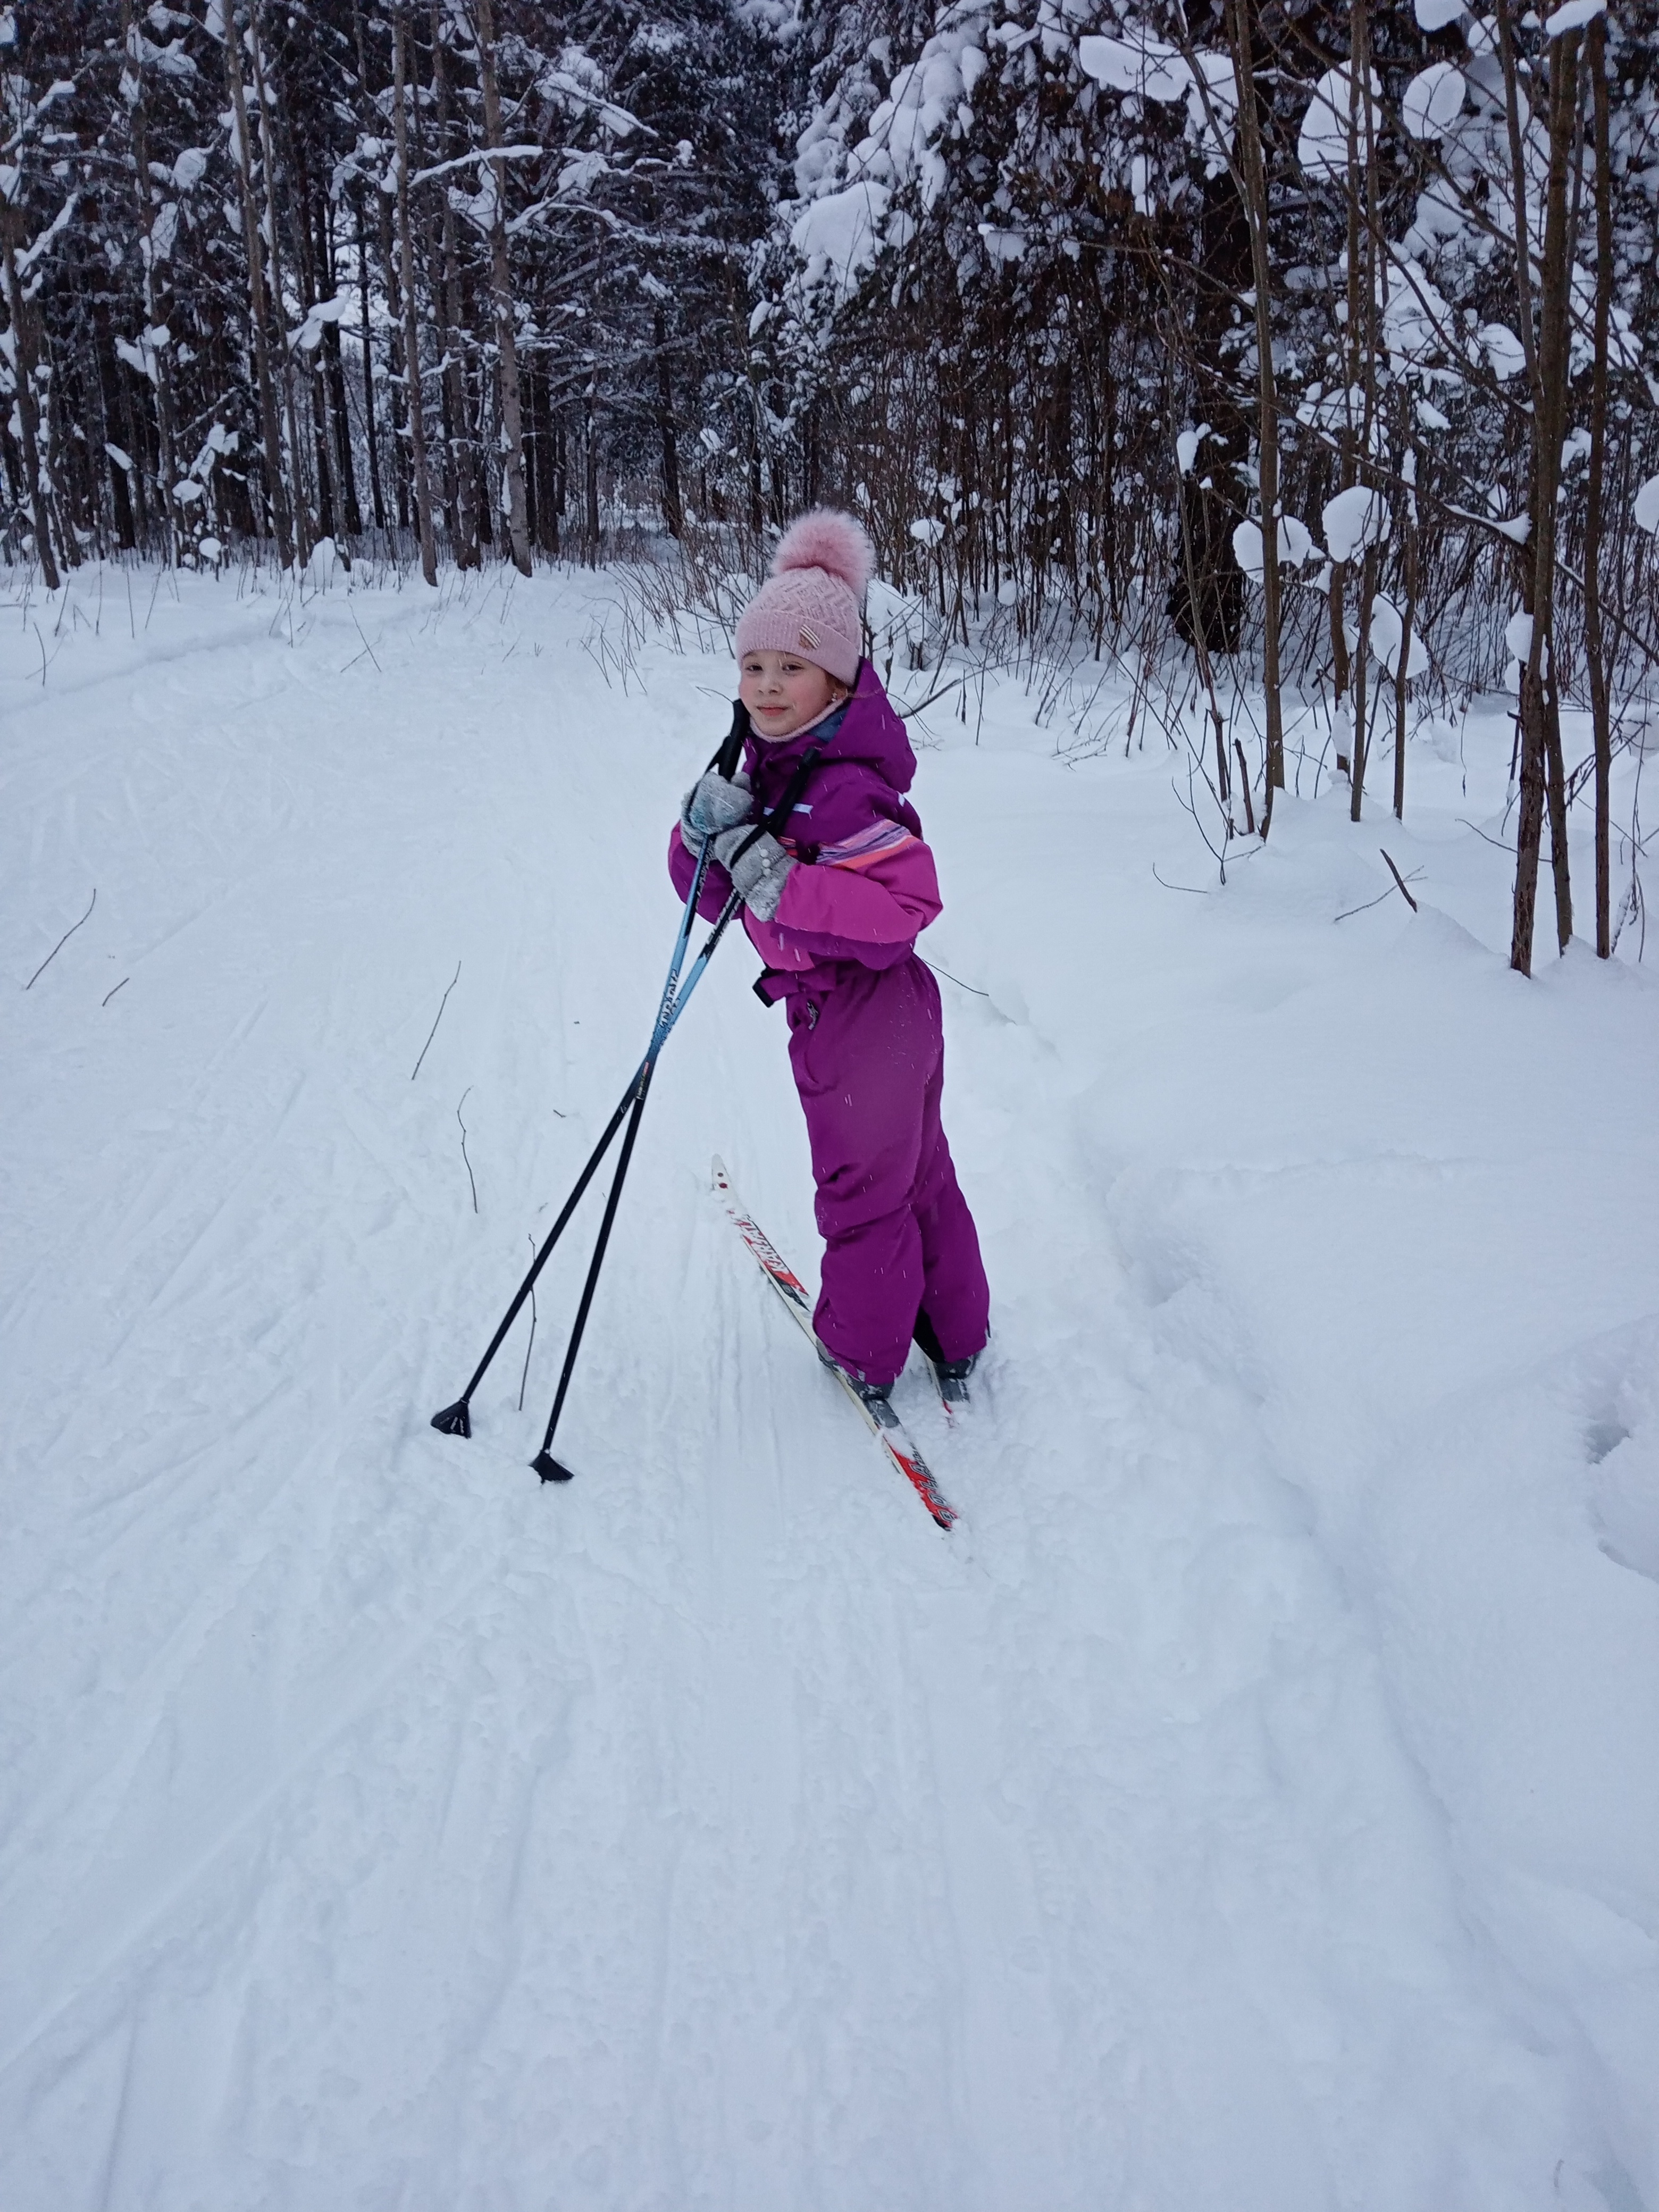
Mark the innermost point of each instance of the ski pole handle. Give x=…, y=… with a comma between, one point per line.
x=730, y=755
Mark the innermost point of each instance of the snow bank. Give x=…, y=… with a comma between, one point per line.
x=1253, y=1804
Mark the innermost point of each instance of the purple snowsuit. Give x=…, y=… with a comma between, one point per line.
x=901, y=1252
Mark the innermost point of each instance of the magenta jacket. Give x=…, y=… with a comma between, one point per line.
x=867, y=887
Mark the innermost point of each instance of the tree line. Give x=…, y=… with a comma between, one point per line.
x=1308, y=340
x=448, y=271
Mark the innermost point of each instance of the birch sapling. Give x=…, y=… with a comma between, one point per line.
x=1594, y=644
x=413, y=399
x=269, y=431
x=500, y=285
x=28, y=419
x=460, y=461
x=1542, y=778
x=303, y=505
x=137, y=93
x=1253, y=179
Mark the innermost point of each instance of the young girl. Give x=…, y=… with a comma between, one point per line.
x=834, y=907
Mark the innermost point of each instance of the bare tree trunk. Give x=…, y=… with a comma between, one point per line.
x=155, y=311
x=672, y=506
x=305, y=530
x=1529, y=819
x=1362, y=672
x=500, y=285
x=340, y=416
x=1542, y=779
x=1595, y=648
x=1206, y=601
x=461, y=468
x=562, y=466
x=1408, y=615
x=397, y=366
x=591, y=474
x=276, y=486
x=483, y=398
x=29, y=419
x=1206, y=673
x=114, y=407
x=542, y=462
x=313, y=365
x=371, y=432
x=1362, y=320
x=532, y=488
x=334, y=382
x=411, y=325
x=1255, y=209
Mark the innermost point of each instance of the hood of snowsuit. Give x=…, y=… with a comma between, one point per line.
x=862, y=772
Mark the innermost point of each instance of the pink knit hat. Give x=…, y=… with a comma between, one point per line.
x=810, y=604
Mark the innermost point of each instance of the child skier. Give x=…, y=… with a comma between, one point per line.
x=834, y=906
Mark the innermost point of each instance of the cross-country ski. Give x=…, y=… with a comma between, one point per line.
x=881, y=1421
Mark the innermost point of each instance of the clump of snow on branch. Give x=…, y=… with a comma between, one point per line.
x=1355, y=518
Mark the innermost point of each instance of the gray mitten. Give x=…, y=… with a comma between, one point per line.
x=759, y=875
x=713, y=805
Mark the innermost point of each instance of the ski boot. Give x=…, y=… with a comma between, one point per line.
x=876, y=1396
x=950, y=1375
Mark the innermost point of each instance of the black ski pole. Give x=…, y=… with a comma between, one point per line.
x=456, y=1420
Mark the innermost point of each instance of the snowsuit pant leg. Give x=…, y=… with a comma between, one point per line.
x=955, y=1296
x=868, y=1061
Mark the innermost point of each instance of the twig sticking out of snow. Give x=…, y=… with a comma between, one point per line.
x=464, y=1096
x=1480, y=832
x=1401, y=880
x=531, y=1347
x=108, y=995
x=1370, y=903
x=436, y=1018
x=906, y=713
x=368, y=647
x=62, y=942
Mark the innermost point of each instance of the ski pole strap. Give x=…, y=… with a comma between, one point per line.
x=772, y=822
x=725, y=759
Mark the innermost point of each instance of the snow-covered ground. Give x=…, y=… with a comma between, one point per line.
x=1253, y=1804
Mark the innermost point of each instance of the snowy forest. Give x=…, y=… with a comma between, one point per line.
x=1062, y=297
x=1149, y=1700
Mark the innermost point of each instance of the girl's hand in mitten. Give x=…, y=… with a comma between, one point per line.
x=713, y=805
x=758, y=874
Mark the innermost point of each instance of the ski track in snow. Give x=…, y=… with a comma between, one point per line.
x=1253, y=1801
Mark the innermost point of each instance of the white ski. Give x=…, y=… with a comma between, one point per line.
x=889, y=1433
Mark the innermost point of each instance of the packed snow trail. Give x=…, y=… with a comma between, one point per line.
x=1252, y=1803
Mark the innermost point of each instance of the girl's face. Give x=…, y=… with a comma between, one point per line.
x=783, y=692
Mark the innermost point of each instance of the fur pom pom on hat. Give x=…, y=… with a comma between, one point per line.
x=810, y=604
x=828, y=538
